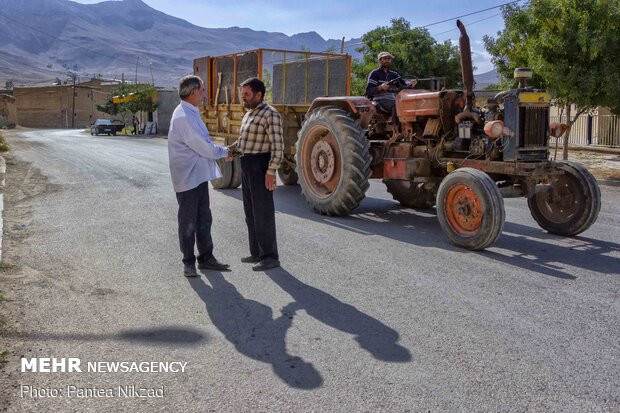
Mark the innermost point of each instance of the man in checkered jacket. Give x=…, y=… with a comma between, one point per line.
x=261, y=145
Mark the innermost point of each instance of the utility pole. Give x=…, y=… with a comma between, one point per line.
x=73, y=104
x=151, y=69
x=137, y=60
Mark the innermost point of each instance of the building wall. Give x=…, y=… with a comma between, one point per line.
x=62, y=106
x=8, y=111
x=167, y=101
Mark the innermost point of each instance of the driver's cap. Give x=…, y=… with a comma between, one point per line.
x=384, y=54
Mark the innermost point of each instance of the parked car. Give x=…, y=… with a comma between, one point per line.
x=118, y=125
x=102, y=126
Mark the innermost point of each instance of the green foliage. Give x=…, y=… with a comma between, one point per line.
x=141, y=101
x=492, y=86
x=415, y=53
x=572, y=46
x=3, y=145
x=268, y=88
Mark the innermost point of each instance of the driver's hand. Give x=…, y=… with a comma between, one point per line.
x=384, y=86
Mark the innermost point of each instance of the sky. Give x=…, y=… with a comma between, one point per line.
x=333, y=19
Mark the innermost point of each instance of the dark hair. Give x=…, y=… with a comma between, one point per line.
x=187, y=84
x=255, y=84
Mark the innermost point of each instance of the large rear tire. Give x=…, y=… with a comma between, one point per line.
x=575, y=205
x=470, y=209
x=411, y=194
x=231, y=174
x=333, y=162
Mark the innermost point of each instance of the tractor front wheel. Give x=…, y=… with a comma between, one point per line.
x=333, y=162
x=470, y=209
x=572, y=203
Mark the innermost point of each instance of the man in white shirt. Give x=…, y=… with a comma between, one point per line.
x=192, y=157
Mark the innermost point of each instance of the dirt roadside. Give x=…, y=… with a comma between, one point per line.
x=605, y=166
x=24, y=184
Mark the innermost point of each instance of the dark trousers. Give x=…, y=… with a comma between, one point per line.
x=260, y=213
x=388, y=102
x=195, y=224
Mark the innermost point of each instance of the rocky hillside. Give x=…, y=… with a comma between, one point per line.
x=44, y=39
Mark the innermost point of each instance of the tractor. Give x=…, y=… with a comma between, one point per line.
x=449, y=154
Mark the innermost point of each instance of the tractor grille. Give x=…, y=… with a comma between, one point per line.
x=534, y=126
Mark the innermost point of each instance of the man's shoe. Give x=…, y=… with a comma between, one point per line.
x=190, y=271
x=266, y=264
x=251, y=259
x=213, y=264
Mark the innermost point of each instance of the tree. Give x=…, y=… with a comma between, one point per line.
x=142, y=99
x=268, y=88
x=415, y=53
x=572, y=46
x=130, y=99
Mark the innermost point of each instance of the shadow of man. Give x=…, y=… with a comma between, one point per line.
x=250, y=326
x=372, y=335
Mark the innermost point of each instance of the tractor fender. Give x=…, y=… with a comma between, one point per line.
x=358, y=107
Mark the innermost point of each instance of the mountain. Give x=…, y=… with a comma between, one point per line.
x=44, y=39
x=487, y=78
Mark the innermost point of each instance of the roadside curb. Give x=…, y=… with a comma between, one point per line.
x=593, y=148
x=608, y=182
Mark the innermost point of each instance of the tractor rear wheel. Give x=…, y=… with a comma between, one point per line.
x=411, y=194
x=571, y=205
x=333, y=162
x=470, y=208
x=231, y=174
x=287, y=174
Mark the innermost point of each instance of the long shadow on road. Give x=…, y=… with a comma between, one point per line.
x=169, y=336
x=530, y=248
x=255, y=333
x=250, y=326
x=371, y=334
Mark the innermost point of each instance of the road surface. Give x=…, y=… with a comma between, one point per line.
x=372, y=312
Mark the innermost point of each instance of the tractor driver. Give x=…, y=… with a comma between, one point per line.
x=382, y=83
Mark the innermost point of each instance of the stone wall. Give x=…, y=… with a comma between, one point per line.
x=8, y=111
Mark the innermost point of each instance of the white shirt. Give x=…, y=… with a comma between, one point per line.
x=191, y=152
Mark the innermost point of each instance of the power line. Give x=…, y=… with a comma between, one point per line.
x=428, y=25
x=442, y=21
x=275, y=61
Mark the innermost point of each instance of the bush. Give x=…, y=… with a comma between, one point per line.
x=3, y=145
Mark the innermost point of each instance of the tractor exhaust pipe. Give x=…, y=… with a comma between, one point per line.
x=468, y=76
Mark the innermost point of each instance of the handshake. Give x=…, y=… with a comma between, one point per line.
x=233, y=151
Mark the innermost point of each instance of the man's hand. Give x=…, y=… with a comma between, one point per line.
x=384, y=86
x=270, y=182
x=230, y=156
x=233, y=150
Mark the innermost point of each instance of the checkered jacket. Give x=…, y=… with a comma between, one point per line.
x=261, y=131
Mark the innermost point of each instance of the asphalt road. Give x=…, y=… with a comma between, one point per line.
x=372, y=312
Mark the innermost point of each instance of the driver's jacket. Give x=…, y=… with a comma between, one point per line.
x=378, y=77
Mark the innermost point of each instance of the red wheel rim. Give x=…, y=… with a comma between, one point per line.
x=463, y=210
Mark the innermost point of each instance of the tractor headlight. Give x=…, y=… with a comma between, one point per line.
x=494, y=129
x=558, y=129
